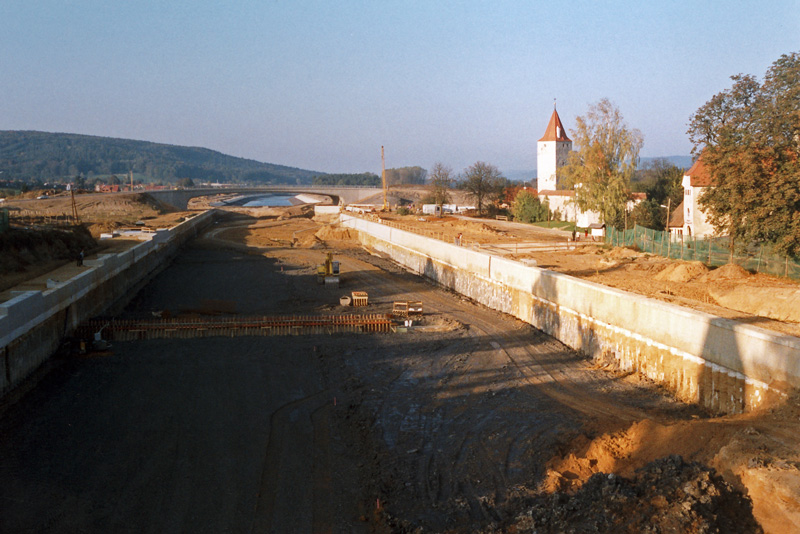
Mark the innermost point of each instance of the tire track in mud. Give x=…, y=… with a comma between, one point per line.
x=461, y=468
x=518, y=361
x=525, y=346
x=283, y=504
x=521, y=351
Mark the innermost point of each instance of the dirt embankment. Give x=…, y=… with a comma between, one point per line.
x=98, y=212
x=26, y=253
x=43, y=237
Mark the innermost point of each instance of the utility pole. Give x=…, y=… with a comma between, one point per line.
x=383, y=179
x=75, y=220
x=667, y=227
x=130, y=173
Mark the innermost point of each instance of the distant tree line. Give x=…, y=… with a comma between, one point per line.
x=406, y=175
x=364, y=179
x=48, y=157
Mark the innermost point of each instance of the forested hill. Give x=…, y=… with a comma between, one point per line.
x=50, y=157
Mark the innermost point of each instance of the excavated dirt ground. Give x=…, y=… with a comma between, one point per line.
x=756, y=454
x=470, y=422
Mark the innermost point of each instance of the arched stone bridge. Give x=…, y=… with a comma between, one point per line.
x=348, y=194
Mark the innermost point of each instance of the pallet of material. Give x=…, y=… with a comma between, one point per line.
x=360, y=298
x=407, y=308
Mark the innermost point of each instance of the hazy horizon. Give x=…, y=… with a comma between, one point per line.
x=322, y=86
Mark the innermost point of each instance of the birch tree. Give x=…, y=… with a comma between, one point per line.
x=605, y=161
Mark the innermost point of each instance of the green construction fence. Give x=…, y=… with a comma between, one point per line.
x=713, y=251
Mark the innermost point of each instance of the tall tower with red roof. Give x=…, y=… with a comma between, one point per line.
x=553, y=150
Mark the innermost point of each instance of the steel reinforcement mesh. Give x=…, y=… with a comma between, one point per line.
x=193, y=327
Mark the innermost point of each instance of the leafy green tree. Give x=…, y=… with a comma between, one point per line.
x=749, y=139
x=528, y=208
x=185, y=182
x=441, y=178
x=661, y=181
x=606, y=159
x=482, y=181
x=649, y=214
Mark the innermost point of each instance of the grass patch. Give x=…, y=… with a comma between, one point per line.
x=558, y=225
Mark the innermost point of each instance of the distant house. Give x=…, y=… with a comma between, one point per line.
x=106, y=188
x=696, y=180
x=675, y=223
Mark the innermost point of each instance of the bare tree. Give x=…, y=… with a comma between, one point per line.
x=441, y=178
x=482, y=180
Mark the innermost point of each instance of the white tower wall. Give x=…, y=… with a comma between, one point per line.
x=551, y=156
x=552, y=152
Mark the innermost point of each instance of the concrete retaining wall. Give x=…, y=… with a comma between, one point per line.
x=33, y=323
x=722, y=364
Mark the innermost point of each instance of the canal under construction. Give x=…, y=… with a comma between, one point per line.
x=465, y=421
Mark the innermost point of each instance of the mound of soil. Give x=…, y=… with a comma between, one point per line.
x=333, y=232
x=730, y=271
x=667, y=495
x=479, y=227
x=779, y=303
x=307, y=240
x=623, y=253
x=682, y=271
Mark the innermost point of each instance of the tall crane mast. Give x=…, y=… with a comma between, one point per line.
x=383, y=179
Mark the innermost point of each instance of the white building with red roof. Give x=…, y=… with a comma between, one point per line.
x=552, y=153
x=696, y=180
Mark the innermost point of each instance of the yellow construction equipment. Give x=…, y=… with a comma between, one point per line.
x=328, y=272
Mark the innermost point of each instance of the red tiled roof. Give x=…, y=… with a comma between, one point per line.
x=698, y=174
x=676, y=217
x=555, y=130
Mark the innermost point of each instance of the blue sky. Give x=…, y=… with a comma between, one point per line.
x=322, y=85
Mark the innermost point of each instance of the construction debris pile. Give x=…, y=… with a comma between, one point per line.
x=667, y=495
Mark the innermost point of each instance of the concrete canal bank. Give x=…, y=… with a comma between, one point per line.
x=725, y=365
x=33, y=323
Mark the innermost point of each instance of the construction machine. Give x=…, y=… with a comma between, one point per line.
x=328, y=272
